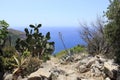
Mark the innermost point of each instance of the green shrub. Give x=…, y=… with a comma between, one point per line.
x=25, y=64
x=61, y=54
x=1, y=64
x=78, y=49
x=45, y=57
x=21, y=63
x=3, y=36
x=75, y=50
x=94, y=37
x=32, y=64
x=9, y=51
x=112, y=28
x=7, y=58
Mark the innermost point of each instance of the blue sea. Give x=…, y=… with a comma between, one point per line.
x=70, y=36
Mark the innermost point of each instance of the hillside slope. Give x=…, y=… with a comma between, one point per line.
x=14, y=35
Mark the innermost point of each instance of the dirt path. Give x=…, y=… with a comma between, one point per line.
x=66, y=71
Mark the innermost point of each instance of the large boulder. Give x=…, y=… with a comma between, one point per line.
x=8, y=77
x=111, y=69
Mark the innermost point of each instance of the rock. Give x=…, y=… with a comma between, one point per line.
x=53, y=76
x=78, y=78
x=61, y=77
x=99, y=64
x=19, y=78
x=90, y=62
x=42, y=71
x=77, y=57
x=57, y=74
x=79, y=68
x=85, y=60
x=57, y=71
x=118, y=78
x=97, y=68
x=97, y=72
x=87, y=79
x=73, y=77
x=67, y=58
x=118, y=75
x=24, y=79
x=107, y=78
x=110, y=69
x=83, y=69
x=8, y=77
x=103, y=59
x=38, y=78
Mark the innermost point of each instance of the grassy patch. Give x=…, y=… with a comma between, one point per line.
x=75, y=50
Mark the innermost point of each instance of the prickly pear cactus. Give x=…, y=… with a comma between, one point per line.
x=35, y=42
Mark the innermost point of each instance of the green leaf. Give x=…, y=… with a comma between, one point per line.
x=40, y=34
x=39, y=25
x=26, y=30
x=17, y=60
x=31, y=31
x=32, y=26
x=48, y=35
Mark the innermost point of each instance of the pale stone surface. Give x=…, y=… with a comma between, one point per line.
x=107, y=78
x=111, y=69
x=8, y=77
x=80, y=68
x=87, y=68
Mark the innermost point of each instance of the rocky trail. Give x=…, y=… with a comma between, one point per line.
x=77, y=67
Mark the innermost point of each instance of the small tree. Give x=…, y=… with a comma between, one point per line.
x=3, y=34
x=35, y=42
x=112, y=28
x=94, y=37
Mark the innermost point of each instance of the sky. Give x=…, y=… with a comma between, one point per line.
x=55, y=13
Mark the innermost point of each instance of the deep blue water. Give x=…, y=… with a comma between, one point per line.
x=70, y=36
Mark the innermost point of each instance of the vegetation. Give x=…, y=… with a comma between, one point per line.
x=78, y=49
x=3, y=34
x=31, y=65
x=104, y=38
x=30, y=50
x=14, y=35
x=3, y=37
x=112, y=28
x=35, y=42
x=8, y=59
x=20, y=60
x=75, y=50
x=36, y=47
x=95, y=39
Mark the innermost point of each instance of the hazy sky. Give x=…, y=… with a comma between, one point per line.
x=51, y=12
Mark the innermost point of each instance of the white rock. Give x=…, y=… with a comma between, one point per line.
x=109, y=68
x=83, y=69
x=107, y=78
x=61, y=77
x=8, y=77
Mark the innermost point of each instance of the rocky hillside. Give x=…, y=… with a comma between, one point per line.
x=15, y=34
x=76, y=67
